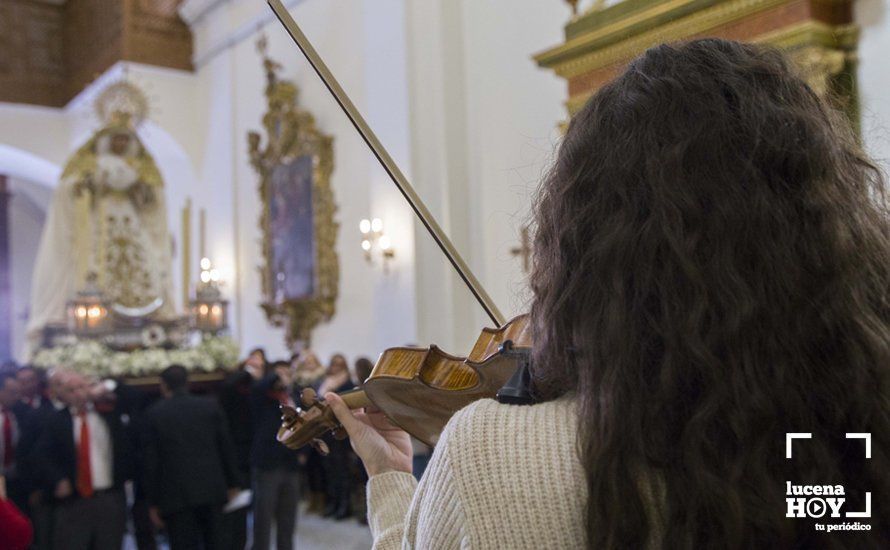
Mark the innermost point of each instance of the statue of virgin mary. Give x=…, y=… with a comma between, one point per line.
x=107, y=223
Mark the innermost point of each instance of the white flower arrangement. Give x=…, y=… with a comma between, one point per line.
x=93, y=358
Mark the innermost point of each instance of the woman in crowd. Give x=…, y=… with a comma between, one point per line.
x=276, y=478
x=337, y=463
x=337, y=378
x=363, y=368
x=256, y=363
x=309, y=373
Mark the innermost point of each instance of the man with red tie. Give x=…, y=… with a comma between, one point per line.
x=85, y=454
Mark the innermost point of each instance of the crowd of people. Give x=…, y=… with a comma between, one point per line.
x=84, y=460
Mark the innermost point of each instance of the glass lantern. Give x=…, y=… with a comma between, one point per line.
x=87, y=312
x=208, y=311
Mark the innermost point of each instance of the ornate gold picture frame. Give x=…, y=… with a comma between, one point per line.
x=300, y=271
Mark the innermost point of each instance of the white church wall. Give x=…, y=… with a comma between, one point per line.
x=18, y=163
x=27, y=213
x=484, y=120
x=41, y=131
x=438, y=131
x=215, y=190
x=387, y=111
x=513, y=108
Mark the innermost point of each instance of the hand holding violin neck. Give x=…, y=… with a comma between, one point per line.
x=314, y=418
x=356, y=399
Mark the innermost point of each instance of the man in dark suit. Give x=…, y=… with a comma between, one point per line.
x=276, y=469
x=33, y=386
x=36, y=409
x=190, y=466
x=85, y=456
x=234, y=398
x=33, y=411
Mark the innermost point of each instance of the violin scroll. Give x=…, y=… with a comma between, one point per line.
x=306, y=424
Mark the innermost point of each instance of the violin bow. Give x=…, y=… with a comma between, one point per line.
x=383, y=156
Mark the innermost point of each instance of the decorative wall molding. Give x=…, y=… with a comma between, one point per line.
x=819, y=36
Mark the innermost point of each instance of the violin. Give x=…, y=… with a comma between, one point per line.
x=418, y=389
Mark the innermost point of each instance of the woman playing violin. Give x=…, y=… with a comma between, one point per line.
x=712, y=267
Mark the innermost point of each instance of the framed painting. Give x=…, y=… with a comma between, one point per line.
x=294, y=161
x=291, y=230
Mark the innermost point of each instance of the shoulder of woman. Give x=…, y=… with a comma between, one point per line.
x=479, y=413
x=488, y=419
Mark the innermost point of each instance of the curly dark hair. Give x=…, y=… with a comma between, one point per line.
x=712, y=267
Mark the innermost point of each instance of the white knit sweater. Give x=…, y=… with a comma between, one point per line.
x=501, y=476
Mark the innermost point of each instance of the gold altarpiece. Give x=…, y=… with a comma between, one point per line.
x=300, y=271
x=818, y=35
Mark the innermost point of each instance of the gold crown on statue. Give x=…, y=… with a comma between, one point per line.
x=123, y=105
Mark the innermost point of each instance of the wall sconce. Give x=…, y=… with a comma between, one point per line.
x=374, y=239
x=209, y=275
x=208, y=311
